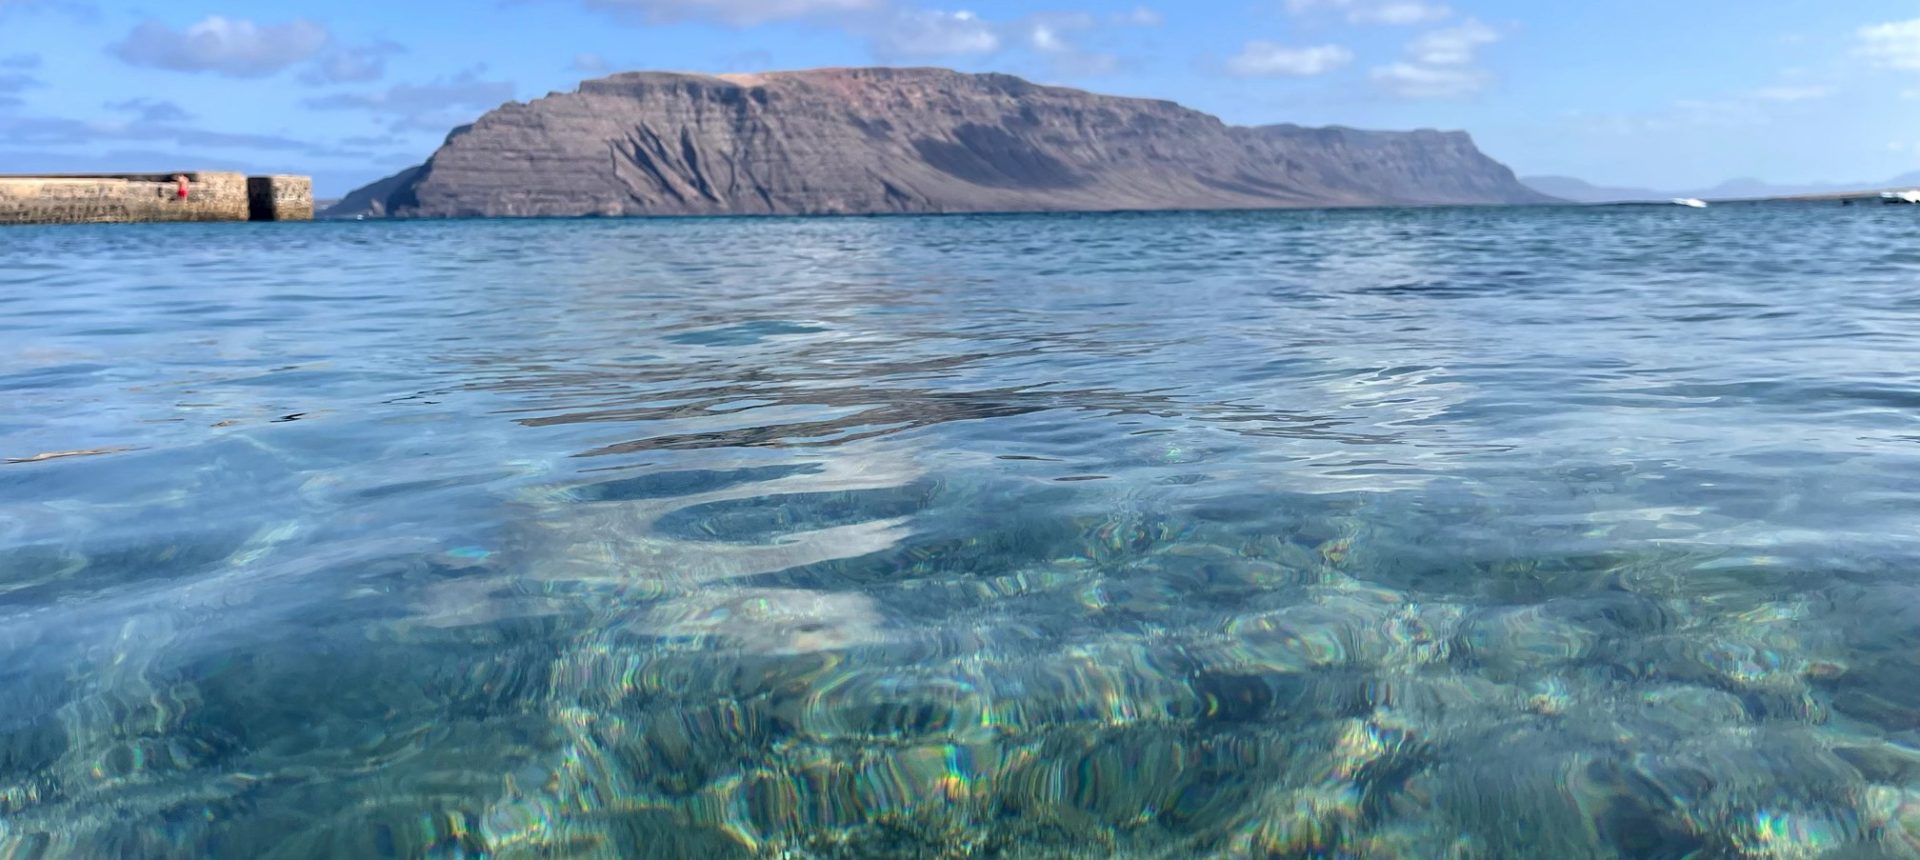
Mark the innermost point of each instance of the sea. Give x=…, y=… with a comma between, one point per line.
x=1434, y=533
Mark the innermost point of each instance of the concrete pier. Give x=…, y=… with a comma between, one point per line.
x=133, y=197
x=279, y=198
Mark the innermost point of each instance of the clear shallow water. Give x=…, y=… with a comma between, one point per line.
x=1495, y=533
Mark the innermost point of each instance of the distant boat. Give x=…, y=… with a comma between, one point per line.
x=1900, y=197
x=1690, y=202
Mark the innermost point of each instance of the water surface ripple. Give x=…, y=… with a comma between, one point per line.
x=1571, y=533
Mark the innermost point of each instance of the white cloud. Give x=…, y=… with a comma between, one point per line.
x=352, y=65
x=1056, y=37
x=63, y=133
x=148, y=110
x=1746, y=113
x=1454, y=46
x=1052, y=34
x=900, y=31
x=591, y=64
x=1894, y=45
x=1440, y=64
x=433, y=107
x=1045, y=38
x=1390, y=12
x=1409, y=80
x=927, y=33
x=15, y=82
x=742, y=13
x=77, y=9
x=1261, y=59
x=1790, y=93
x=233, y=47
x=14, y=77
x=1725, y=113
x=1058, y=24
x=1400, y=13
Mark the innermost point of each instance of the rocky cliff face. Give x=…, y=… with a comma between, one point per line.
x=907, y=140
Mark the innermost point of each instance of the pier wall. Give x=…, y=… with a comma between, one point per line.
x=279, y=198
x=133, y=197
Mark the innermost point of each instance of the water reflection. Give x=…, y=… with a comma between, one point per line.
x=1432, y=534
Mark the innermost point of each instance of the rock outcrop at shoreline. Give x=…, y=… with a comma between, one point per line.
x=853, y=141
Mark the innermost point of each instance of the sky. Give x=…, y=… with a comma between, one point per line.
x=1662, y=93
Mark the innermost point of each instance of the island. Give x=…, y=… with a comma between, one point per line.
x=907, y=140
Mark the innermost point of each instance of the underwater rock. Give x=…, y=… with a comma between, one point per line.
x=767, y=621
x=1518, y=641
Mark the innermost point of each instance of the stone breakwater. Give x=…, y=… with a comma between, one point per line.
x=118, y=198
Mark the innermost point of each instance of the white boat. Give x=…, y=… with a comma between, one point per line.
x=1908, y=197
x=1690, y=202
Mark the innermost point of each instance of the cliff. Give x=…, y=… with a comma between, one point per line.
x=371, y=201
x=907, y=140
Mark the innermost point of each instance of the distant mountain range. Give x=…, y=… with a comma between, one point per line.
x=877, y=140
x=1580, y=191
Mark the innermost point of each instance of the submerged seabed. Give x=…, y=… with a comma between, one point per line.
x=1471, y=533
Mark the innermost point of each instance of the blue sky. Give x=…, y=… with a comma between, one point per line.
x=1673, y=93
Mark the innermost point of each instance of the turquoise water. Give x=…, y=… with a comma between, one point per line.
x=1454, y=533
